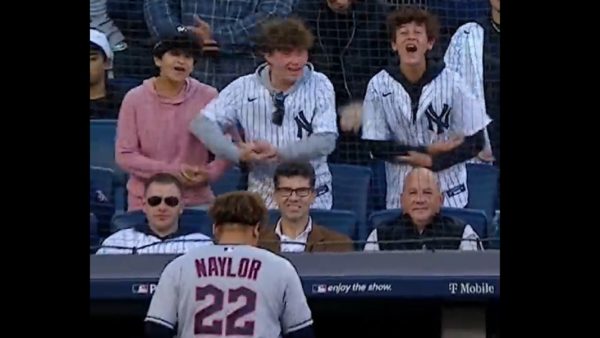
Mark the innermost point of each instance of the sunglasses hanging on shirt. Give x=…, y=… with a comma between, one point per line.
x=279, y=102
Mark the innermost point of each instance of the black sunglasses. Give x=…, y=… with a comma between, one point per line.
x=171, y=201
x=279, y=102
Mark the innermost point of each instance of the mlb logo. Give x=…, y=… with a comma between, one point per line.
x=319, y=288
x=140, y=289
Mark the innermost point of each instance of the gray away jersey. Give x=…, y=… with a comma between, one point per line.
x=233, y=291
x=309, y=109
x=447, y=107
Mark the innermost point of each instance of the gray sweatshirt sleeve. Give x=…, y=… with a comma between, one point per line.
x=316, y=145
x=214, y=139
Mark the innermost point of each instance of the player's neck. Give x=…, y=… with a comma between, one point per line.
x=496, y=17
x=293, y=228
x=98, y=90
x=413, y=73
x=233, y=239
x=279, y=83
x=167, y=88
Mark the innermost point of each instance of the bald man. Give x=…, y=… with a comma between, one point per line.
x=421, y=221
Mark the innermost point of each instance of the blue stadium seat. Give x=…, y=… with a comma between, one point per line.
x=342, y=221
x=94, y=237
x=230, y=181
x=482, y=181
x=475, y=218
x=103, y=134
x=351, y=191
x=194, y=220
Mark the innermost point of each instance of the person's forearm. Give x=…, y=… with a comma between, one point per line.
x=389, y=150
x=213, y=138
x=470, y=148
x=160, y=18
x=309, y=148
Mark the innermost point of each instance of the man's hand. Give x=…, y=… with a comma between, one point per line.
x=486, y=156
x=416, y=159
x=258, y=151
x=445, y=146
x=193, y=175
x=351, y=117
x=202, y=30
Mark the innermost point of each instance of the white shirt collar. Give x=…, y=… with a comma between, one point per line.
x=301, y=238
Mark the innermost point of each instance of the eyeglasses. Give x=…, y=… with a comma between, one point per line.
x=171, y=201
x=300, y=192
x=279, y=102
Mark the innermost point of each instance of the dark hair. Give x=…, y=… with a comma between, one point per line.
x=163, y=178
x=290, y=169
x=239, y=207
x=408, y=14
x=185, y=43
x=284, y=35
x=94, y=47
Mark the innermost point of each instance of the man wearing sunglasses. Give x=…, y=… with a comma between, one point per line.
x=286, y=109
x=295, y=230
x=160, y=233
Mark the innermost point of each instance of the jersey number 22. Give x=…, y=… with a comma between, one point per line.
x=216, y=327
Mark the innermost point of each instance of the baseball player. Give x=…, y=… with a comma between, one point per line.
x=286, y=111
x=231, y=289
x=417, y=112
x=474, y=53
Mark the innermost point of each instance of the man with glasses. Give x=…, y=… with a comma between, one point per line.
x=286, y=111
x=160, y=233
x=295, y=231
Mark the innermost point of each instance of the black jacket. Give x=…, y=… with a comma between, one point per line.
x=402, y=228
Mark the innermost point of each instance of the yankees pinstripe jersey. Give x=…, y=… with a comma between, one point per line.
x=230, y=290
x=465, y=56
x=140, y=239
x=446, y=108
x=309, y=110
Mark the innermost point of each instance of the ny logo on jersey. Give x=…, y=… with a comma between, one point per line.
x=440, y=121
x=303, y=124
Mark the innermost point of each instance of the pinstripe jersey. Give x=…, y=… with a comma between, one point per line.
x=465, y=56
x=129, y=241
x=446, y=108
x=309, y=110
x=230, y=290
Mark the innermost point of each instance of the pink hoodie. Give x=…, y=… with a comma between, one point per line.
x=153, y=137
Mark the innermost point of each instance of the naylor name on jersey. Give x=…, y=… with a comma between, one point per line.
x=224, y=267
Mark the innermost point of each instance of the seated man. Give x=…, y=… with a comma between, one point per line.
x=160, y=234
x=421, y=221
x=294, y=193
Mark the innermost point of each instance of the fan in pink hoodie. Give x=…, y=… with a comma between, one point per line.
x=152, y=131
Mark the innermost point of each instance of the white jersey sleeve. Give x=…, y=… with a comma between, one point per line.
x=469, y=110
x=163, y=307
x=325, y=120
x=224, y=109
x=374, y=124
x=296, y=313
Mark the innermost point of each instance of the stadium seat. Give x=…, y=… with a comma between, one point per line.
x=94, y=237
x=351, y=191
x=342, y=221
x=378, y=187
x=103, y=134
x=194, y=220
x=482, y=181
x=230, y=181
x=475, y=218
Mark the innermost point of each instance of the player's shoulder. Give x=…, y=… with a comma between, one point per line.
x=241, y=82
x=319, y=78
x=380, y=80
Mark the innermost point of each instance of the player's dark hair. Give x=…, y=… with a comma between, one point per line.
x=163, y=178
x=408, y=14
x=94, y=48
x=284, y=35
x=239, y=207
x=291, y=169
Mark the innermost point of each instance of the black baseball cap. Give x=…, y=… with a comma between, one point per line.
x=186, y=43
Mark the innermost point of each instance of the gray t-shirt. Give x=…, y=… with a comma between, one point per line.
x=230, y=290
